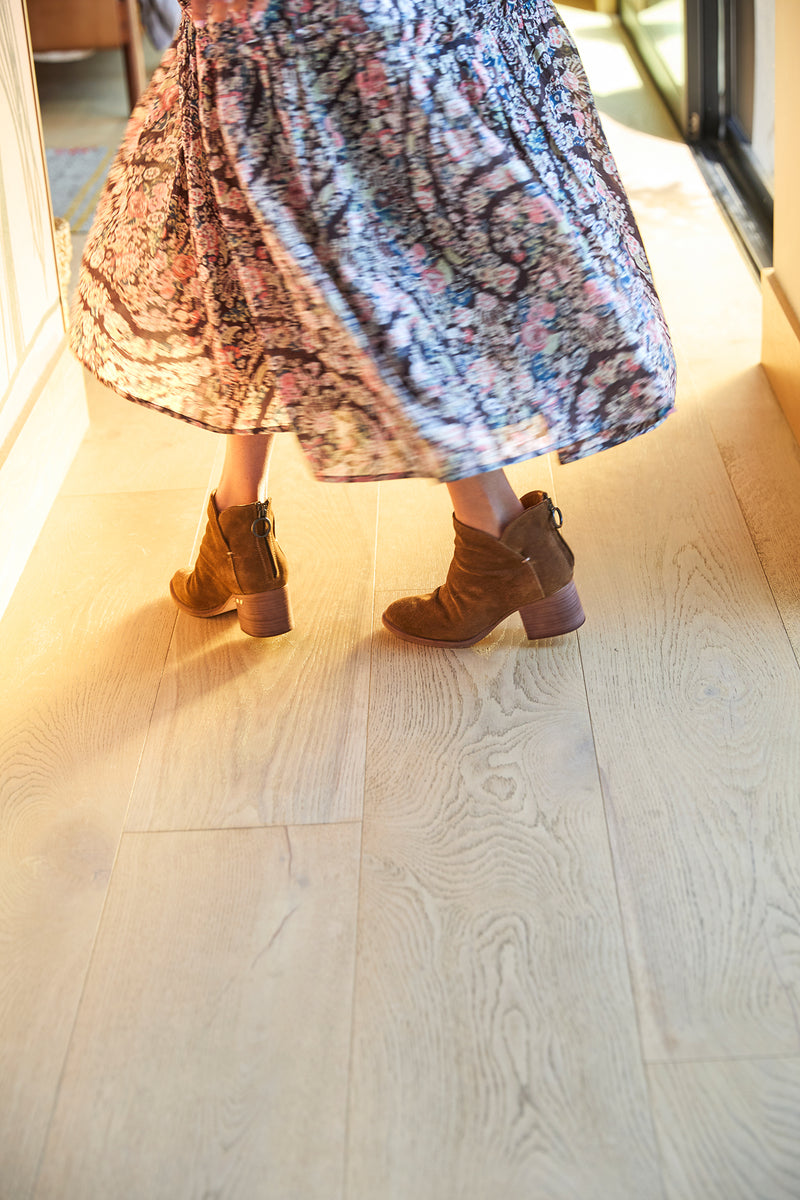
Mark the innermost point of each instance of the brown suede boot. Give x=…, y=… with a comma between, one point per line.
x=240, y=566
x=528, y=569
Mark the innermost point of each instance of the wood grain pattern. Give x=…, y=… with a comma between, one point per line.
x=729, y=1129
x=763, y=463
x=761, y=456
x=695, y=703
x=210, y=1056
x=495, y=1045
x=284, y=739
x=83, y=644
x=716, y=324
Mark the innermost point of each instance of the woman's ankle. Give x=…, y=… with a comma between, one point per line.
x=244, y=473
x=231, y=497
x=485, y=502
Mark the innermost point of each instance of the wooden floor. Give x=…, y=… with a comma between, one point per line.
x=331, y=916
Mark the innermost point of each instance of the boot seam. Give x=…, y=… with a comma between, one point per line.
x=536, y=577
x=232, y=561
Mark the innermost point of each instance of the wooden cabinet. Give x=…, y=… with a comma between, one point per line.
x=91, y=25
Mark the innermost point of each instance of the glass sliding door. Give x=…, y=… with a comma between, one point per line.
x=659, y=29
x=714, y=63
x=749, y=114
x=740, y=150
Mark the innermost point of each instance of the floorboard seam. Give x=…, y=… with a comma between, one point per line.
x=347, y=1106
x=722, y=1058
x=242, y=828
x=657, y=1147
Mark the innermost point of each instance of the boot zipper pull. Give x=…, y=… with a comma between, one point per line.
x=262, y=520
x=555, y=511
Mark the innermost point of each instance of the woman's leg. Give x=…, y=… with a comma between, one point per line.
x=486, y=502
x=244, y=472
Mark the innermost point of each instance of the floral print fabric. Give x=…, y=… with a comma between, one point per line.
x=392, y=227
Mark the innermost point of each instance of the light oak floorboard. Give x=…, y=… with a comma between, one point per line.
x=83, y=645
x=762, y=459
x=284, y=739
x=717, y=326
x=694, y=695
x=715, y=319
x=716, y=323
x=729, y=1130
x=210, y=1055
x=495, y=1045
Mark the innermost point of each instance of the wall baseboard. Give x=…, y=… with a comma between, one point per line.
x=780, y=348
x=35, y=464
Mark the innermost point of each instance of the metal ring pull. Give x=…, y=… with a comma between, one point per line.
x=261, y=520
x=556, y=512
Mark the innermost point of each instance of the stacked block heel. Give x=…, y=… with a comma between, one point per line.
x=560, y=613
x=264, y=614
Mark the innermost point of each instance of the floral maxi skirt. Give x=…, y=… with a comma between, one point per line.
x=392, y=227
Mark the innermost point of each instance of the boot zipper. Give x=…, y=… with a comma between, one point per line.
x=262, y=528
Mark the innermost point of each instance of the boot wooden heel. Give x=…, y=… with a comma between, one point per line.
x=264, y=614
x=560, y=613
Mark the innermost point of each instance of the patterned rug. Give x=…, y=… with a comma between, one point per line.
x=76, y=180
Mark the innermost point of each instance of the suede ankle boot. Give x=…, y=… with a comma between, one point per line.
x=240, y=567
x=528, y=569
